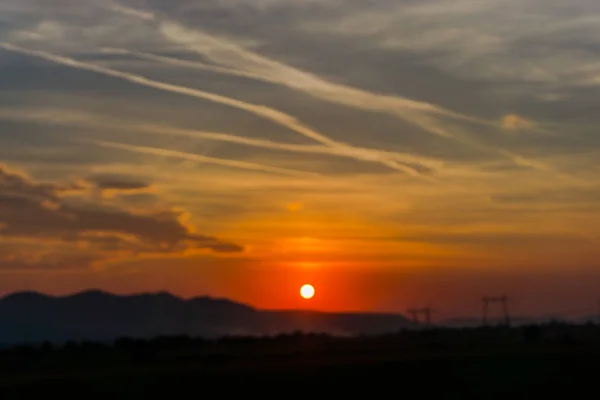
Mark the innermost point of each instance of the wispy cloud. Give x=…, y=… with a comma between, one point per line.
x=241, y=62
x=82, y=119
x=114, y=6
x=546, y=44
x=199, y=158
x=513, y=122
x=268, y=113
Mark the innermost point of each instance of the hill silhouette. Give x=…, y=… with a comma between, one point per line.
x=27, y=317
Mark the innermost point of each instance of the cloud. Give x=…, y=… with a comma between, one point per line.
x=64, y=117
x=238, y=61
x=267, y=113
x=121, y=186
x=228, y=53
x=515, y=239
x=549, y=44
x=242, y=62
x=44, y=31
x=15, y=184
x=17, y=256
x=118, y=182
x=114, y=6
x=33, y=210
x=513, y=122
x=200, y=158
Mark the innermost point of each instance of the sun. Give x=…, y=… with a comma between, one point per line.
x=307, y=292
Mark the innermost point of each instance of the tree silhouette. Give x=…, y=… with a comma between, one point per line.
x=532, y=334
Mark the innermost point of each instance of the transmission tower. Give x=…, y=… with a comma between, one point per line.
x=503, y=300
x=425, y=311
x=414, y=313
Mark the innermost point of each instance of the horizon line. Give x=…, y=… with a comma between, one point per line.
x=450, y=319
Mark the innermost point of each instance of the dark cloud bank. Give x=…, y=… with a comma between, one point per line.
x=67, y=214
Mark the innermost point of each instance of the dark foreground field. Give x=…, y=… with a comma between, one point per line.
x=531, y=361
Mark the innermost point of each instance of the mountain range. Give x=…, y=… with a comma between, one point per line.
x=30, y=317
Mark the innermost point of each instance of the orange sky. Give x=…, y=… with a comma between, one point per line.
x=392, y=154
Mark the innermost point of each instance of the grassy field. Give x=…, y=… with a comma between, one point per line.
x=521, y=361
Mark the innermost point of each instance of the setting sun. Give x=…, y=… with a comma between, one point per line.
x=307, y=292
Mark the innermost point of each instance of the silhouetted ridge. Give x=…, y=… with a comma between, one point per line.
x=98, y=315
x=25, y=297
x=220, y=303
x=92, y=294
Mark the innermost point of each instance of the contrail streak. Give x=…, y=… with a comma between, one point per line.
x=225, y=52
x=189, y=64
x=89, y=120
x=256, y=66
x=268, y=113
x=268, y=144
x=422, y=120
x=283, y=119
x=199, y=158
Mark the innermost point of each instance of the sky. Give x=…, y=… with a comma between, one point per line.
x=393, y=153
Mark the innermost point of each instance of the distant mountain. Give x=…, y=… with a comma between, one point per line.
x=97, y=315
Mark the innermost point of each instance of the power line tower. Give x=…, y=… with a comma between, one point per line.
x=503, y=300
x=425, y=311
x=414, y=313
